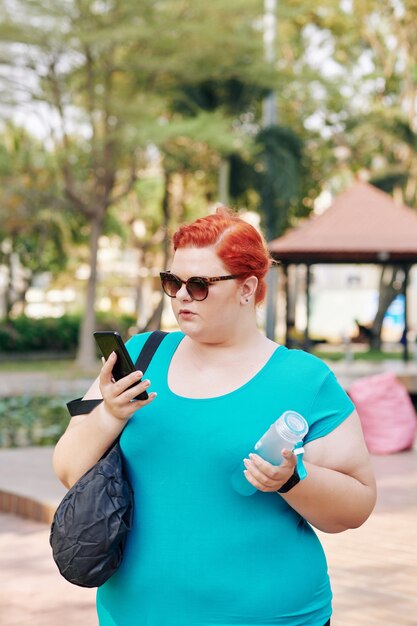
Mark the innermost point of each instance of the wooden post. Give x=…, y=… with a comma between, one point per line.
x=271, y=294
x=287, y=308
x=307, y=287
x=405, y=285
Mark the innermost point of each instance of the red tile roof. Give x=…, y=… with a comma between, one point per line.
x=363, y=224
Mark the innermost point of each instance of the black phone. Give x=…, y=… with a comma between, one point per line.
x=110, y=341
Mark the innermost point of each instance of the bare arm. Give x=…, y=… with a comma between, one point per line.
x=339, y=491
x=89, y=436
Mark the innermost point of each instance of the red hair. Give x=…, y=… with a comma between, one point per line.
x=239, y=246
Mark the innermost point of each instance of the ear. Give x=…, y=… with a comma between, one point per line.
x=248, y=289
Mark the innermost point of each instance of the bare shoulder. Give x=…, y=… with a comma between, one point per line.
x=343, y=449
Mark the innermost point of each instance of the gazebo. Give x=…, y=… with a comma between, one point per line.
x=363, y=225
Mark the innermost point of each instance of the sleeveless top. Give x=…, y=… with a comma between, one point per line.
x=199, y=553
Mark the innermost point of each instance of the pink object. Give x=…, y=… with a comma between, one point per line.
x=386, y=412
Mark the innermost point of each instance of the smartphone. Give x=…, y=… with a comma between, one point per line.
x=110, y=341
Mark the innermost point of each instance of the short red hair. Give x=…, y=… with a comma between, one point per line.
x=241, y=248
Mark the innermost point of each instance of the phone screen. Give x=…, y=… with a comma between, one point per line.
x=110, y=341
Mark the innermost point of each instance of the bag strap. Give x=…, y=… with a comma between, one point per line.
x=80, y=406
x=149, y=348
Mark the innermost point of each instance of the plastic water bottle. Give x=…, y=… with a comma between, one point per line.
x=288, y=430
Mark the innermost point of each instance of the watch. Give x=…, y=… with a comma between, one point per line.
x=291, y=482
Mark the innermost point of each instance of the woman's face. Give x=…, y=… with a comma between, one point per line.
x=213, y=319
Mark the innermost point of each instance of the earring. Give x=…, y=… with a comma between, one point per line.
x=247, y=300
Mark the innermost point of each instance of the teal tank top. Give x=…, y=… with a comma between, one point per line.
x=200, y=554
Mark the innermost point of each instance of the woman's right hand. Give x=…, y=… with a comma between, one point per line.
x=117, y=397
x=88, y=436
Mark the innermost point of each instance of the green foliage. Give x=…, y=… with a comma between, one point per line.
x=371, y=355
x=24, y=334
x=150, y=191
x=242, y=180
x=121, y=323
x=279, y=179
x=32, y=218
x=376, y=127
x=32, y=421
x=120, y=76
x=390, y=180
x=232, y=94
x=189, y=78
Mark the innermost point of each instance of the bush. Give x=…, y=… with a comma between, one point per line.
x=122, y=323
x=27, y=421
x=24, y=334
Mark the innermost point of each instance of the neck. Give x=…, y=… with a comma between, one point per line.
x=240, y=340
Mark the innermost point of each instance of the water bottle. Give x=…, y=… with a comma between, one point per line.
x=285, y=432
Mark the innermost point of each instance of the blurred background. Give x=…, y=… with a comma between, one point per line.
x=119, y=120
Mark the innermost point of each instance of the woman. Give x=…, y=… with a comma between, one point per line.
x=199, y=552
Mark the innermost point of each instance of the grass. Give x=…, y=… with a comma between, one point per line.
x=374, y=356
x=66, y=368
x=57, y=368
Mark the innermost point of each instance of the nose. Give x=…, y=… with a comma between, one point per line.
x=183, y=295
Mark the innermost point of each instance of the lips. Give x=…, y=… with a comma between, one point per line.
x=185, y=312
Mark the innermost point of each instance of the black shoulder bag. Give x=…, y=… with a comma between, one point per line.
x=90, y=525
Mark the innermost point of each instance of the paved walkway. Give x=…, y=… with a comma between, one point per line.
x=32, y=593
x=347, y=371
x=40, y=383
x=374, y=568
x=28, y=486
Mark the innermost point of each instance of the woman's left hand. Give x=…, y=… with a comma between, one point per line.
x=267, y=477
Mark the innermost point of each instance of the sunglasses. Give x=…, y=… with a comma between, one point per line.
x=197, y=286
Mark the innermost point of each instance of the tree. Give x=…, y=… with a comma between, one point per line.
x=380, y=132
x=116, y=77
x=33, y=229
x=105, y=72
x=279, y=181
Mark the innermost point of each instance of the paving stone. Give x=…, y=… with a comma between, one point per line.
x=31, y=589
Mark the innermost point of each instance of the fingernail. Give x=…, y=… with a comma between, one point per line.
x=153, y=394
x=139, y=374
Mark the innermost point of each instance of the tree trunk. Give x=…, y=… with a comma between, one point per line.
x=390, y=285
x=8, y=290
x=139, y=300
x=224, y=181
x=155, y=320
x=86, y=353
